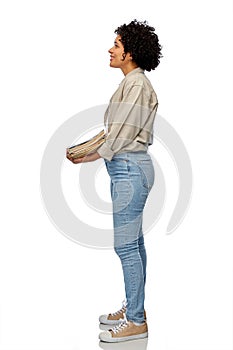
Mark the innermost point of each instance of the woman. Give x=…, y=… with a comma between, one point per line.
x=129, y=122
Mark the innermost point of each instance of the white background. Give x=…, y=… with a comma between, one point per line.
x=54, y=64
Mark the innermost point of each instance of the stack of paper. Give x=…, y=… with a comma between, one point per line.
x=82, y=149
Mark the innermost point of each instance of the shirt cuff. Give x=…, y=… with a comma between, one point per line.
x=105, y=152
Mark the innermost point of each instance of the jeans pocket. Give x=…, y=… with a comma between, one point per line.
x=147, y=173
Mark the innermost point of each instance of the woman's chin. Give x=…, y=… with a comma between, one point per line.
x=111, y=64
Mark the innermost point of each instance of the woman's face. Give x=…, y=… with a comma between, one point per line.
x=118, y=58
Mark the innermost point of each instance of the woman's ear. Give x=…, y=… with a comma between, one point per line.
x=123, y=56
x=127, y=55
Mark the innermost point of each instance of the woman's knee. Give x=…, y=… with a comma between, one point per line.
x=127, y=250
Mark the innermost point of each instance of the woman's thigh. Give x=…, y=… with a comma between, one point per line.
x=132, y=177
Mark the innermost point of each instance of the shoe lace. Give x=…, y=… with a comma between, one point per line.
x=122, y=310
x=120, y=327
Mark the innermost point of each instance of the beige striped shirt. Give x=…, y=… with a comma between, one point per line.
x=130, y=116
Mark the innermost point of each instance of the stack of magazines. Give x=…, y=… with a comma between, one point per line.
x=90, y=146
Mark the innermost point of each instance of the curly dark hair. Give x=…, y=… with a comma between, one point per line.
x=141, y=41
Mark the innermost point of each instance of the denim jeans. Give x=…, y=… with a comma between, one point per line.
x=132, y=177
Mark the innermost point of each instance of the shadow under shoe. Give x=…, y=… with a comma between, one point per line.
x=139, y=344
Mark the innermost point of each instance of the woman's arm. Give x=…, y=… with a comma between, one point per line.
x=128, y=117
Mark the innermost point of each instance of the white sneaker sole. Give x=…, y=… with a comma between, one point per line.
x=105, y=338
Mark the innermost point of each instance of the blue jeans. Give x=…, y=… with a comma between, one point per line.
x=132, y=177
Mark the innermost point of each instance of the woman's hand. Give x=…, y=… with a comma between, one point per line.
x=89, y=158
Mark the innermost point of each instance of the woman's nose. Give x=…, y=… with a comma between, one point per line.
x=110, y=50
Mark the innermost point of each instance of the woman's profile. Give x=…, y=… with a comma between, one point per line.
x=129, y=121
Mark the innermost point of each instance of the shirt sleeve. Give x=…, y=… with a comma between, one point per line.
x=126, y=119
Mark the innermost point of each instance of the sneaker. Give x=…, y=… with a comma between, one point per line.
x=127, y=330
x=115, y=317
